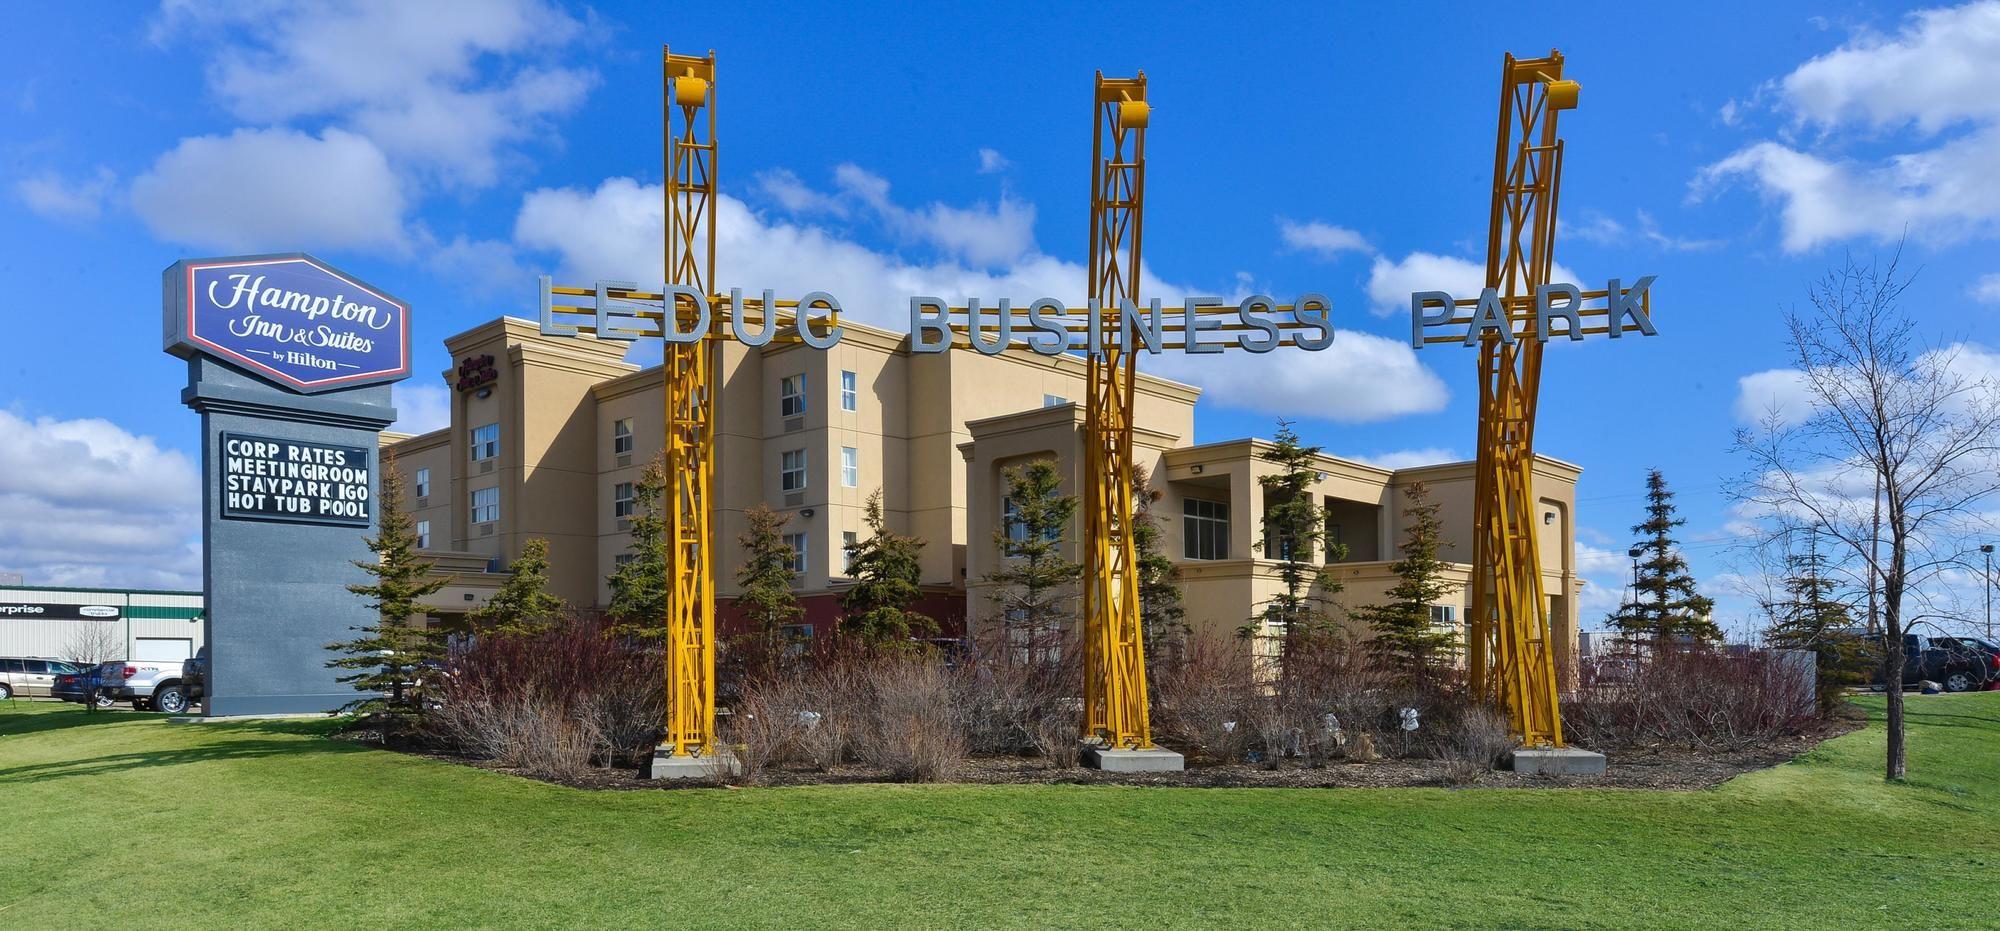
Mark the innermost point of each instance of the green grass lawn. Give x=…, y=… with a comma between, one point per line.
x=123, y=820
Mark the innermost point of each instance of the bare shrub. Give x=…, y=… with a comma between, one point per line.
x=915, y=728
x=1473, y=743
x=1203, y=699
x=1024, y=695
x=531, y=700
x=761, y=733
x=1700, y=699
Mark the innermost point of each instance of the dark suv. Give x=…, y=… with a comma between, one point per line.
x=1943, y=661
x=1975, y=646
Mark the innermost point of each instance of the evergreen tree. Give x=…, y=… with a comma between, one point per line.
x=1294, y=524
x=1034, y=588
x=1813, y=618
x=1665, y=606
x=766, y=574
x=388, y=658
x=1162, y=618
x=524, y=604
x=1403, y=631
x=887, y=569
x=639, y=587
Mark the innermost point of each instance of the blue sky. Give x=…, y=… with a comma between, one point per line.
x=450, y=152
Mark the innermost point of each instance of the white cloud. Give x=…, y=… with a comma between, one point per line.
x=443, y=86
x=1390, y=282
x=1987, y=289
x=58, y=198
x=1322, y=239
x=1787, y=394
x=273, y=189
x=84, y=502
x=1939, y=70
x=992, y=162
x=1605, y=573
x=484, y=266
x=1780, y=393
x=1936, y=74
x=615, y=232
x=1410, y=458
x=1604, y=230
x=420, y=408
x=1361, y=378
x=986, y=235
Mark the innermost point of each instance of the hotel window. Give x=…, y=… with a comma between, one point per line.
x=797, y=541
x=423, y=534
x=850, y=467
x=1054, y=400
x=622, y=560
x=1204, y=529
x=792, y=470
x=485, y=442
x=423, y=483
x=850, y=392
x=1017, y=532
x=848, y=541
x=621, y=500
x=792, y=395
x=485, y=505
x=1444, y=617
x=621, y=437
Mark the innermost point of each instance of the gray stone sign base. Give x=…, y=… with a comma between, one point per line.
x=1153, y=760
x=665, y=765
x=226, y=718
x=1557, y=761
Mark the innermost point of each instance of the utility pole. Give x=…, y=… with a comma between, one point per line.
x=1987, y=551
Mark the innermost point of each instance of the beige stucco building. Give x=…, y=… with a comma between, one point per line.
x=553, y=443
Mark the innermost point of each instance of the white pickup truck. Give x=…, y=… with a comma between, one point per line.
x=150, y=685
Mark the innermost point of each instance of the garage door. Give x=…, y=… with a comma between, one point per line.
x=162, y=649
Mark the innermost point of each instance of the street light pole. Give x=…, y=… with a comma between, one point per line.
x=1987, y=551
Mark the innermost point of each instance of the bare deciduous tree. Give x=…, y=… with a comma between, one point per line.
x=93, y=642
x=1896, y=451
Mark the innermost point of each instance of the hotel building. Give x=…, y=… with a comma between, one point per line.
x=553, y=442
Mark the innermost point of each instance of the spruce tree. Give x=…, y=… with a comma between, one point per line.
x=639, y=587
x=1162, y=618
x=1294, y=524
x=1403, y=633
x=887, y=568
x=1035, y=586
x=1813, y=618
x=389, y=658
x=523, y=605
x=766, y=575
x=1665, y=608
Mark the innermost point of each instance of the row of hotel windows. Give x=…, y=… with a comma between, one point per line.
x=798, y=542
x=792, y=394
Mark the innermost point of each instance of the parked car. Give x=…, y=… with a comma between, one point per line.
x=1980, y=647
x=70, y=685
x=1943, y=661
x=30, y=677
x=194, y=676
x=151, y=685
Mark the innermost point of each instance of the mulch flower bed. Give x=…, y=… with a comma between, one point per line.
x=1658, y=768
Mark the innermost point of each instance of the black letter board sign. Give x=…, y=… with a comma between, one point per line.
x=264, y=478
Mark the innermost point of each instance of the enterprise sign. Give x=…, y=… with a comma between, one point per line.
x=296, y=482
x=55, y=612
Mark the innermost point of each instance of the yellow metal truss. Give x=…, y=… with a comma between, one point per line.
x=688, y=377
x=1114, y=690
x=1512, y=658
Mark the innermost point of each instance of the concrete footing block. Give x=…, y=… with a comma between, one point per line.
x=1557, y=761
x=666, y=765
x=1150, y=760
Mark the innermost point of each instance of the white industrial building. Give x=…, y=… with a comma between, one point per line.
x=99, y=624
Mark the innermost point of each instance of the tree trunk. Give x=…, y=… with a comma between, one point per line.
x=1893, y=656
